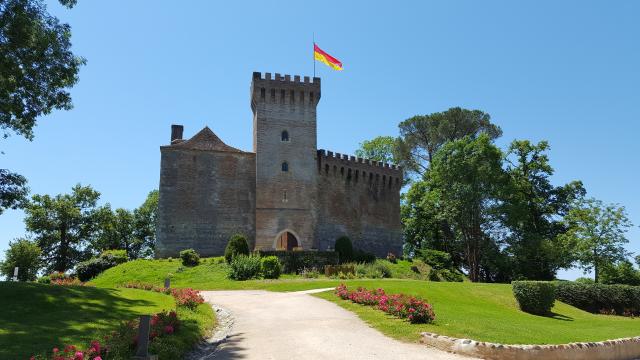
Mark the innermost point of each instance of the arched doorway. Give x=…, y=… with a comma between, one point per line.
x=286, y=240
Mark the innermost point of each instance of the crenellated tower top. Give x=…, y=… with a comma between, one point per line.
x=301, y=93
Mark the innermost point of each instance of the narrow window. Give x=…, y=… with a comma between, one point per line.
x=349, y=175
x=282, y=96
x=311, y=97
x=262, y=94
x=341, y=171
x=284, y=196
x=292, y=98
x=301, y=97
x=335, y=170
x=285, y=166
x=326, y=169
x=357, y=171
x=273, y=95
x=284, y=136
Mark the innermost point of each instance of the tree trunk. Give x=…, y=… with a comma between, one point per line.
x=63, y=251
x=595, y=266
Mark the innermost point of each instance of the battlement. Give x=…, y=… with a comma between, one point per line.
x=284, y=89
x=359, y=169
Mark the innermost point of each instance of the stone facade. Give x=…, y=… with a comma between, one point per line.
x=285, y=194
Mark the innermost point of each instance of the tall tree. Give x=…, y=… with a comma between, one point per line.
x=598, y=232
x=13, y=190
x=37, y=67
x=145, y=218
x=381, y=148
x=532, y=212
x=421, y=136
x=132, y=231
x=63, y=225
x=466, y=176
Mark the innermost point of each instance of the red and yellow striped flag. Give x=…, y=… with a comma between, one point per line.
x=325, y=58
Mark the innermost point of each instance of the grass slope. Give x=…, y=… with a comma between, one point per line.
x=36, y=317
x=211, y=274
x=488, y=312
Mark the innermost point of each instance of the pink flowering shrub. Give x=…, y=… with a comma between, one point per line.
x=119, y=343
x=59, y=278
x=184, y=297
x=416, y=310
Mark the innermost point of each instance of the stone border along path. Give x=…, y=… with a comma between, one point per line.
x=258, y=324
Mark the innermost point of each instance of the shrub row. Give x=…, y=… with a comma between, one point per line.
x=186, y=297
x=252, y=267
x=293, y=262
x=416, y=310
x=599, y=298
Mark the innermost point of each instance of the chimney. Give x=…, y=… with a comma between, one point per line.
x=176, y=132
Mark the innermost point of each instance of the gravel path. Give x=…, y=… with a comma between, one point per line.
x=296, y=325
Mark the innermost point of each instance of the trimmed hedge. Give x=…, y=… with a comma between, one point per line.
x=534, y=297
x=189, y=257
x=600, y=298
x=331, y=270
x=271, y=267
x=237, y=245
x=296, y=261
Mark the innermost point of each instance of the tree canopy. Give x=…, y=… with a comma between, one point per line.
x=381, y=148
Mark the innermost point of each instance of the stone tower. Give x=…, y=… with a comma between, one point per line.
x=284, y=141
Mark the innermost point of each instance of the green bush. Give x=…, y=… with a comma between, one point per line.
x=244, y=268
x=600, y=298
x=333, y=270
x=91, y=268
x=344, y=248
x=189, y=257
x=271, y=267
x=436, y=259
x=445, y=275
x=25, y=255
x=361, y=256
x=535, y=297
x=237, y=245
x=375, y=270
x=44, y=279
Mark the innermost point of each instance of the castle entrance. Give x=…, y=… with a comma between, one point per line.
x=286, y=241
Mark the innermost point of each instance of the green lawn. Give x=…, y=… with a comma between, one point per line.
x=36, y=317
x=488, y=312
x=485, y=312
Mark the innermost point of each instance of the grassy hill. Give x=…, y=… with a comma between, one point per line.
x=485, y=312
x=36, y=317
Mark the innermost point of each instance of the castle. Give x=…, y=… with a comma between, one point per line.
x=285, y=195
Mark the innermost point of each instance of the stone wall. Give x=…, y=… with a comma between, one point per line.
x=207, y=193
x=360, y=199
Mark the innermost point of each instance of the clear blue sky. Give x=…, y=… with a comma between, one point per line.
x=567, y=72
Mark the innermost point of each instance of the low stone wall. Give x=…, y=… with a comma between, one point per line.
x=619, y=349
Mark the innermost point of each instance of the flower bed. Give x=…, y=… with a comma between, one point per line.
x=184, y=297
x=416, y=310
x=119, y=343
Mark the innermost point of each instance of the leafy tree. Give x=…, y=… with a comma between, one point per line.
x=598, y=233
x=381, y=148
x=62, y=225
x=620, y=273
x=37, y=67
x=132, y=231
x=13, y=190
x=466, y=176
x=25, y=255
x=425, y=224
x=532, y=211
x=421, y=136
x=638, y=260
x=145, y=218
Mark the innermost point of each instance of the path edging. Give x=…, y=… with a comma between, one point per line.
x=618, y=349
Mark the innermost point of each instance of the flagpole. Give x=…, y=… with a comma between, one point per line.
x=313, y=58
